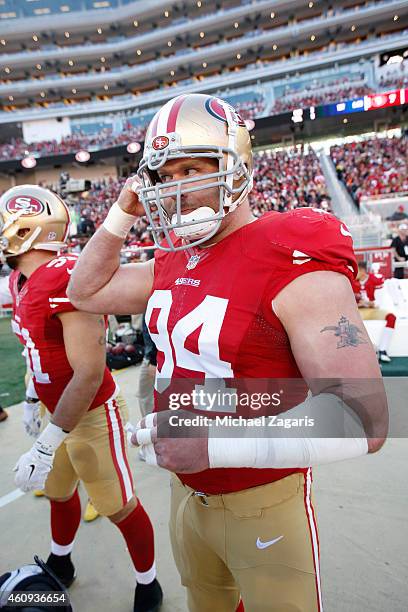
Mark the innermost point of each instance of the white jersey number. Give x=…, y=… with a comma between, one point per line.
x=209, y=315
x=33, y=360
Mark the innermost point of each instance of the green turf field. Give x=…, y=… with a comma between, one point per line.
x=12, y=366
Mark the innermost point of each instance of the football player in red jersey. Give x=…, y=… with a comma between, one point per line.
x=229, y=296
x=364, y=287
x=84, y=439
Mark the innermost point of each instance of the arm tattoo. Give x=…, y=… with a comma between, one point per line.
x=347, y=333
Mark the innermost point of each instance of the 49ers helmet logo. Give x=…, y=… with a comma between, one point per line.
x=216, y=109
x=160, y=142
x=28, y=204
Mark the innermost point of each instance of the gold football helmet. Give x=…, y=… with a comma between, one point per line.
x=194, y=126
x=32, y=217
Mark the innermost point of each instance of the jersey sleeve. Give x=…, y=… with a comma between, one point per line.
x=309, y=240
x=59, y=272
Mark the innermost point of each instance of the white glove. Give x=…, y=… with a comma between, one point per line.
x=33, y=467
x=31, y=418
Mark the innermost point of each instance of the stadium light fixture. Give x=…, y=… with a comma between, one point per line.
x=29, y=162
x=395, y=59
x=82, y=156
x=133, y=147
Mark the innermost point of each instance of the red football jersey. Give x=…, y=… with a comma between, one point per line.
x=210, y=313
x=35, y=306
x=365, y=290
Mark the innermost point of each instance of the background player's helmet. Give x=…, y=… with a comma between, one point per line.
x=32, y=217
x=32, y=579
x=194, y=125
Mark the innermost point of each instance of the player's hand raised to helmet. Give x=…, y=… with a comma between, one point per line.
x=128, y=198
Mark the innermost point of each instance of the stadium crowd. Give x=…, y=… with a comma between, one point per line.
x=396, y=80
x=18, y=148
x=312, y=94
x=289, y=179
x=250, y=109
x=372, y=167
x=314, y=98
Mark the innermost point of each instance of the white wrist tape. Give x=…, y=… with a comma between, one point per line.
x=284, y=452
x=118, y=222
x=144, y=438
x=51, y=438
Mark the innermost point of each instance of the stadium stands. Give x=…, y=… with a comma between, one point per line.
x=373, y=167
x=105, y=138
x=311, y=97
x=288, y=179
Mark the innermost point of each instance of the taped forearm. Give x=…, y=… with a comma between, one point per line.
x=326, y=410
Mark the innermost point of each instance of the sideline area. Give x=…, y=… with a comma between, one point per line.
x=361, y=508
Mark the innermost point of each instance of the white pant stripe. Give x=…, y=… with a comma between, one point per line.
x=313, y=530
x=118, y=449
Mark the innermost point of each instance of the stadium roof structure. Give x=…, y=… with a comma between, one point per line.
x=242, y=43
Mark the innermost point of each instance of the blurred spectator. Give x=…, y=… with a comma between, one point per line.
x=398, y=215
x=399, y=247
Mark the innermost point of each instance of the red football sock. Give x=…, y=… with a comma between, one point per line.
x=138, y=533
x=65, y=519
x=240, y=607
